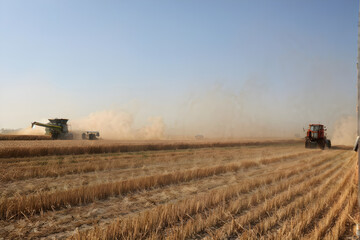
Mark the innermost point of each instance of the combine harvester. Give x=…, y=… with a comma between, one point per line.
x=57, y=128
x=316, y=137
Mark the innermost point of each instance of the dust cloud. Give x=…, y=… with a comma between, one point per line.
x=224, y=113
x=249, y=109
x=119, y=125
x=28, y=131
x=344, y=131
x=253, y=110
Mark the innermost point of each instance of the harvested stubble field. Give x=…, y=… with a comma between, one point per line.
x=247, y=190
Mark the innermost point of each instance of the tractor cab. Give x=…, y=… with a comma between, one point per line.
x=316, y=131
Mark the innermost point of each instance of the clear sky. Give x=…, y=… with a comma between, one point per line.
x=283, y=61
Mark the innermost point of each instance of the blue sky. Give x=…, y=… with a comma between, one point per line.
x=153, y=58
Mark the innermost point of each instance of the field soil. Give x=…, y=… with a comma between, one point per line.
x=265, y=190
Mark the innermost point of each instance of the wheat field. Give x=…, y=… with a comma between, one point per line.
x=191, y=190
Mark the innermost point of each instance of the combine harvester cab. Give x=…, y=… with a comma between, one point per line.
x=316, y=137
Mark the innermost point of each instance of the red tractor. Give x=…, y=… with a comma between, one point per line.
x=316, y=137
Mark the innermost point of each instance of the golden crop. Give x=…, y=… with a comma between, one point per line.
x=23, y=137
x=12, y=149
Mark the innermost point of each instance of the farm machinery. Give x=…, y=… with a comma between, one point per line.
x=91, y=135
x=316, y=137
x=57, y=128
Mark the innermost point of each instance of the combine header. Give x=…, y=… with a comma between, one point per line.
x=57, y=128
x=316, y=137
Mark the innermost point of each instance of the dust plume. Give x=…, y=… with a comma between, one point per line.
x=30, y=131
x=119, y=125
x=155, y=130
x=218, y=112
x=252, y=110
x=344, y=131
x=24, y=131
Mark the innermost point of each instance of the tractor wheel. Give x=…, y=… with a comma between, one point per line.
x=328, y=143
x=321, y=144
x=307, y=143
